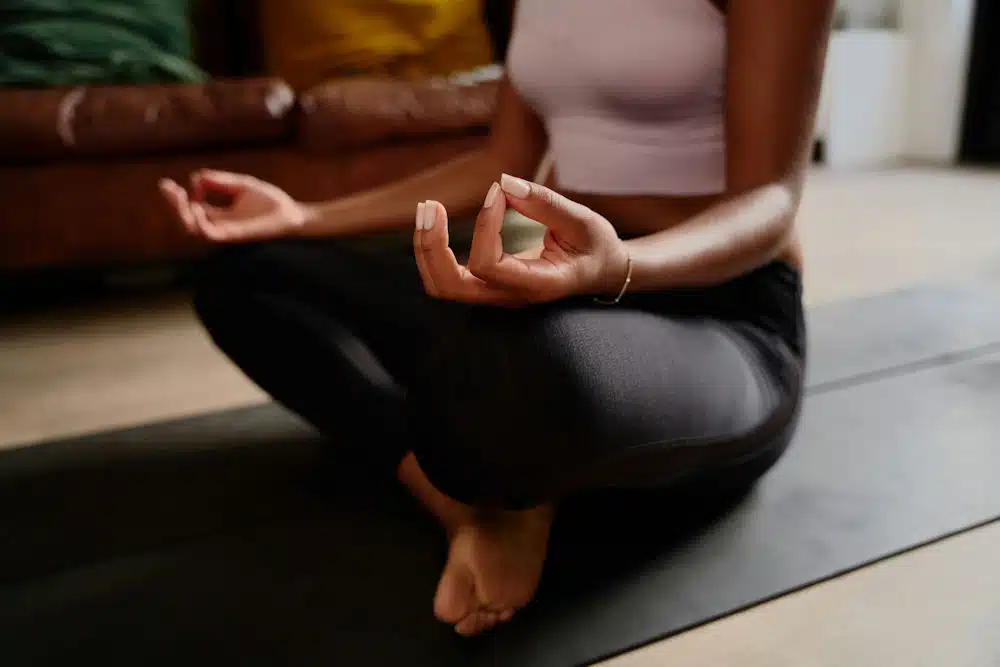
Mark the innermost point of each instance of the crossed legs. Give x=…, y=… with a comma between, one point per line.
x=489, y=416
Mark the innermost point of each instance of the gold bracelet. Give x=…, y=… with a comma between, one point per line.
x=628, y=281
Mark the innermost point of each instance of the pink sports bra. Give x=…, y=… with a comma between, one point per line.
x=632, y=92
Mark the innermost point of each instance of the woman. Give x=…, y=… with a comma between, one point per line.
x=653, y=339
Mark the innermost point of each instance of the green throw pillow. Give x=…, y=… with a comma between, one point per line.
x=74, y=42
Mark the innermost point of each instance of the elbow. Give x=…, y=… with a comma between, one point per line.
x=777, y=206
x=781, y=199
x=787, y=198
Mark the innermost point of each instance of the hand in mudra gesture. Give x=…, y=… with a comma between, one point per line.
x=580, y=254
x=257, y=210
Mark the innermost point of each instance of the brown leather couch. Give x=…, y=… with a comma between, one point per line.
x=79, y=167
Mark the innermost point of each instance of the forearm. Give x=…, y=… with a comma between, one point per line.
x=460, y=184
x=720, y=244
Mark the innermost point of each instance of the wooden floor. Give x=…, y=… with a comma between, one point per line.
x=935, y=607
x=125, y=363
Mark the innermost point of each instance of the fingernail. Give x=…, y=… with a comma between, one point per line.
x=491, y=196
x=420, y=215
x=515, y=187
x=430, y=215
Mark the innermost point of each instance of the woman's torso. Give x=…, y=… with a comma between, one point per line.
x=647, y=77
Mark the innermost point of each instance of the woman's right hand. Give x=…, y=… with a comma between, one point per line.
x=257, y=211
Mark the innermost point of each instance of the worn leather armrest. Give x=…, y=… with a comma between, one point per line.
x=126, y=120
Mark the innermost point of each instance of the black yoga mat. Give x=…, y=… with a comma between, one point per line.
x=241, y=538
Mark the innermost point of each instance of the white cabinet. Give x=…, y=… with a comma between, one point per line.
x=889, y=95
x=862, y=118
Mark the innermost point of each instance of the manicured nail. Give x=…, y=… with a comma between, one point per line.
x=491, y=196
x=420, y=215
x=515, y=187
x=430, y=213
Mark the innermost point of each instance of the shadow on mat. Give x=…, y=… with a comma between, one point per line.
x=274, y=553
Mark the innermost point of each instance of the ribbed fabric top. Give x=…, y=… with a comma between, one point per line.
x=632, y=92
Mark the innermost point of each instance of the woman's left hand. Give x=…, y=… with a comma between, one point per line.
x=581, y=252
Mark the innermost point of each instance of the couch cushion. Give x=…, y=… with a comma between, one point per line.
x=124, y=120
x=360, y=112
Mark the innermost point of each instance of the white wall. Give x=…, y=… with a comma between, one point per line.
x=939, y=32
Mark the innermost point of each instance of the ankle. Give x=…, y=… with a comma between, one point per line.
x=448, y=511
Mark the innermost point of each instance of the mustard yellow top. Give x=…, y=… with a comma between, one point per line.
x=307, y=42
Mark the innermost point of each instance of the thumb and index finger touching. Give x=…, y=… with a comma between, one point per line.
x=209, y=182
x=560, y=214
x=542, y=204
x=569, y=220
x=204, y=184
x=223, y=182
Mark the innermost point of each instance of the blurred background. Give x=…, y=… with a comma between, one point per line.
x=100, y=99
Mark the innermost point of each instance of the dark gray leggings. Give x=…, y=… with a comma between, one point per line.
x=514, y=407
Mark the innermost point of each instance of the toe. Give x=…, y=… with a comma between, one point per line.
x=494, y=619
x=469, y=626
x=455, y=599
x=502, y=613
x=490, y=620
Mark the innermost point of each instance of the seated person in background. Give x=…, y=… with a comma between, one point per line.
x=307, y=42
x=495, y=382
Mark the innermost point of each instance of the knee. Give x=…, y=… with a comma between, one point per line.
x=228, y=268
x=216, y=286
x=228, y=279
x=228, y=285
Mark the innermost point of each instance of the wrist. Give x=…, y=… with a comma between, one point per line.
x=656, y=268
x=308, y=214
x=617, y=277
x=315, y=218
x=299, y=219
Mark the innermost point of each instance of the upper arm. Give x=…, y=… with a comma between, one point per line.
x=517, y=135
x=775, y=60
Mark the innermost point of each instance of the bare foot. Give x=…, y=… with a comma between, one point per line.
x=493, y=569
x=494, y=561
